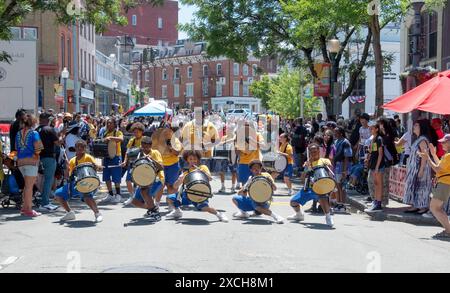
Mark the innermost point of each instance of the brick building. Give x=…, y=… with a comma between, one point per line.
x=150, y=25
x=184, y=76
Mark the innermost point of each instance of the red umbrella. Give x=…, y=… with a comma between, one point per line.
x=432, y=96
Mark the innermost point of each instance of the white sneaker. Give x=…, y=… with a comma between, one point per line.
x=241, y=215
x=222, y=190
x=329, y=220
x=47, y=208
x=69, y=216
x=175, y=214
x=428, y=215
x=109, y=198
x=170, y=208
x=233, y=190
x=98, y=218
x=117, y=198
x=278, y=219
x=289, y=192
x=297, y=217
x=128, y=202
x=222, y=217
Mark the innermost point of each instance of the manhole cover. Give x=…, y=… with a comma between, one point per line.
x=136, y=269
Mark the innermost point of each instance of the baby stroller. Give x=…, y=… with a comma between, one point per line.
x=362, y=185
x=358, y=176
x=12, y=185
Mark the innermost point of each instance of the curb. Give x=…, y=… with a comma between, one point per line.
x=391, y=216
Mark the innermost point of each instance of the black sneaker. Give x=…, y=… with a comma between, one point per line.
x=369, y=199
x=153, y=214
x=376, y=207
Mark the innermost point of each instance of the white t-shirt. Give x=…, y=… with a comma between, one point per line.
x=71, y=139
x=407, y=145
x=364, y=134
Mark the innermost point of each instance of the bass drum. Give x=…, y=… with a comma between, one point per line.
x=133, y=154
x=86, y=179
x=322, y=182
x=197, y=187
x=144, y=172
x=260, y=189
x=274, y=162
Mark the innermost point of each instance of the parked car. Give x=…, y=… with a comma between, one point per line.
x=238, y=113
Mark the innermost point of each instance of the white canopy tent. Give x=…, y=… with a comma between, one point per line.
x=153, y=109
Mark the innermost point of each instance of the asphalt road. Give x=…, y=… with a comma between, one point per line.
x=126, y=242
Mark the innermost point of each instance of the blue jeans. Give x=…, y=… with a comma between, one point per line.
x=49, y=166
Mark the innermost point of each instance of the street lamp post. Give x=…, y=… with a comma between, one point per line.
x=114, y=87
x=65, y=76
x=334, y=47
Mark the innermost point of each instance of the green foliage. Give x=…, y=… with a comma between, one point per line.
x=281, y=94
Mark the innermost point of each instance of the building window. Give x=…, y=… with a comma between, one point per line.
x=245, y=70
x=160, y=23
x=63, y=52
x=30, y=33
x=69, y=55
x=218, y=89
x=176, y=74
x=164, y=92
x=176, y=90
x=236, y=69
x=85, y=61
x=89, y=69
x=205, y=106
x=236, y=88
x=134, y=20
x=219, y=69
x=190, y=90
x=138, y=78
x=205, y=71
x=16, y=33
x=245, y=89
x=255, y=69
x=189, y=72
x=432, y=36
x=147, y=75
x=205, y=87
x=164, y=74
x=160, y=43
x=81, y=62
x=93, y=68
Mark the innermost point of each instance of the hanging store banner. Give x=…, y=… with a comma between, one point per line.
x=322, y=84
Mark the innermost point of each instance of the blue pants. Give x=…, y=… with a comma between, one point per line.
x=63, y=192
x=246, y=204
x=302, y=197
x=243, y=173
x=153, y=190
x=171, y=173
x=49, y=167
x=185, y=201
x=289, y=172
x=112, y=174
x=129, y=173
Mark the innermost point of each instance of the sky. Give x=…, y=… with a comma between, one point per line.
x=185, y=15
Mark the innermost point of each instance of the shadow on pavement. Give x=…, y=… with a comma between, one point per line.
x=18, y=218
x=77, y=224
x=140, y=222
x=316, y=226
x=193, y=222
x=257, y=221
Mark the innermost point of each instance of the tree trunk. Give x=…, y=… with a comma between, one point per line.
x=379, y=79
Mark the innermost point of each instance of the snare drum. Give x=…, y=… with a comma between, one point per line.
x=86, y=179
x=322, y=182
x=144, y=172
x=100, y=149
x=132, y=154
x=197, y=187
x=273, y=162
x=260, y=189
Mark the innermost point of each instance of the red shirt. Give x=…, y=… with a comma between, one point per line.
x=440, y=150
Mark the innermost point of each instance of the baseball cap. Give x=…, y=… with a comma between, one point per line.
x=446, y=138
x=146, y=140
x=255, y=162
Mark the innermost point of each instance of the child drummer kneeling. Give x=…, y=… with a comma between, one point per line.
x=246, y=204
x=305, y=195
x=144, y=196
x=64, y=193
x=193, y=159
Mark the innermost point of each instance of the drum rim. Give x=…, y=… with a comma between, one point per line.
x=326, y=178
x=142, y=185
x=259, y=177
x=88, y=177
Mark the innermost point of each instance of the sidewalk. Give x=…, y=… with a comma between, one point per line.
x=393, y=212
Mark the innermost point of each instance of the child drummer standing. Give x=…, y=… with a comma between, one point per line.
x=245, y=204
x=193, y=160
x=144, y=196
x=64, y=193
